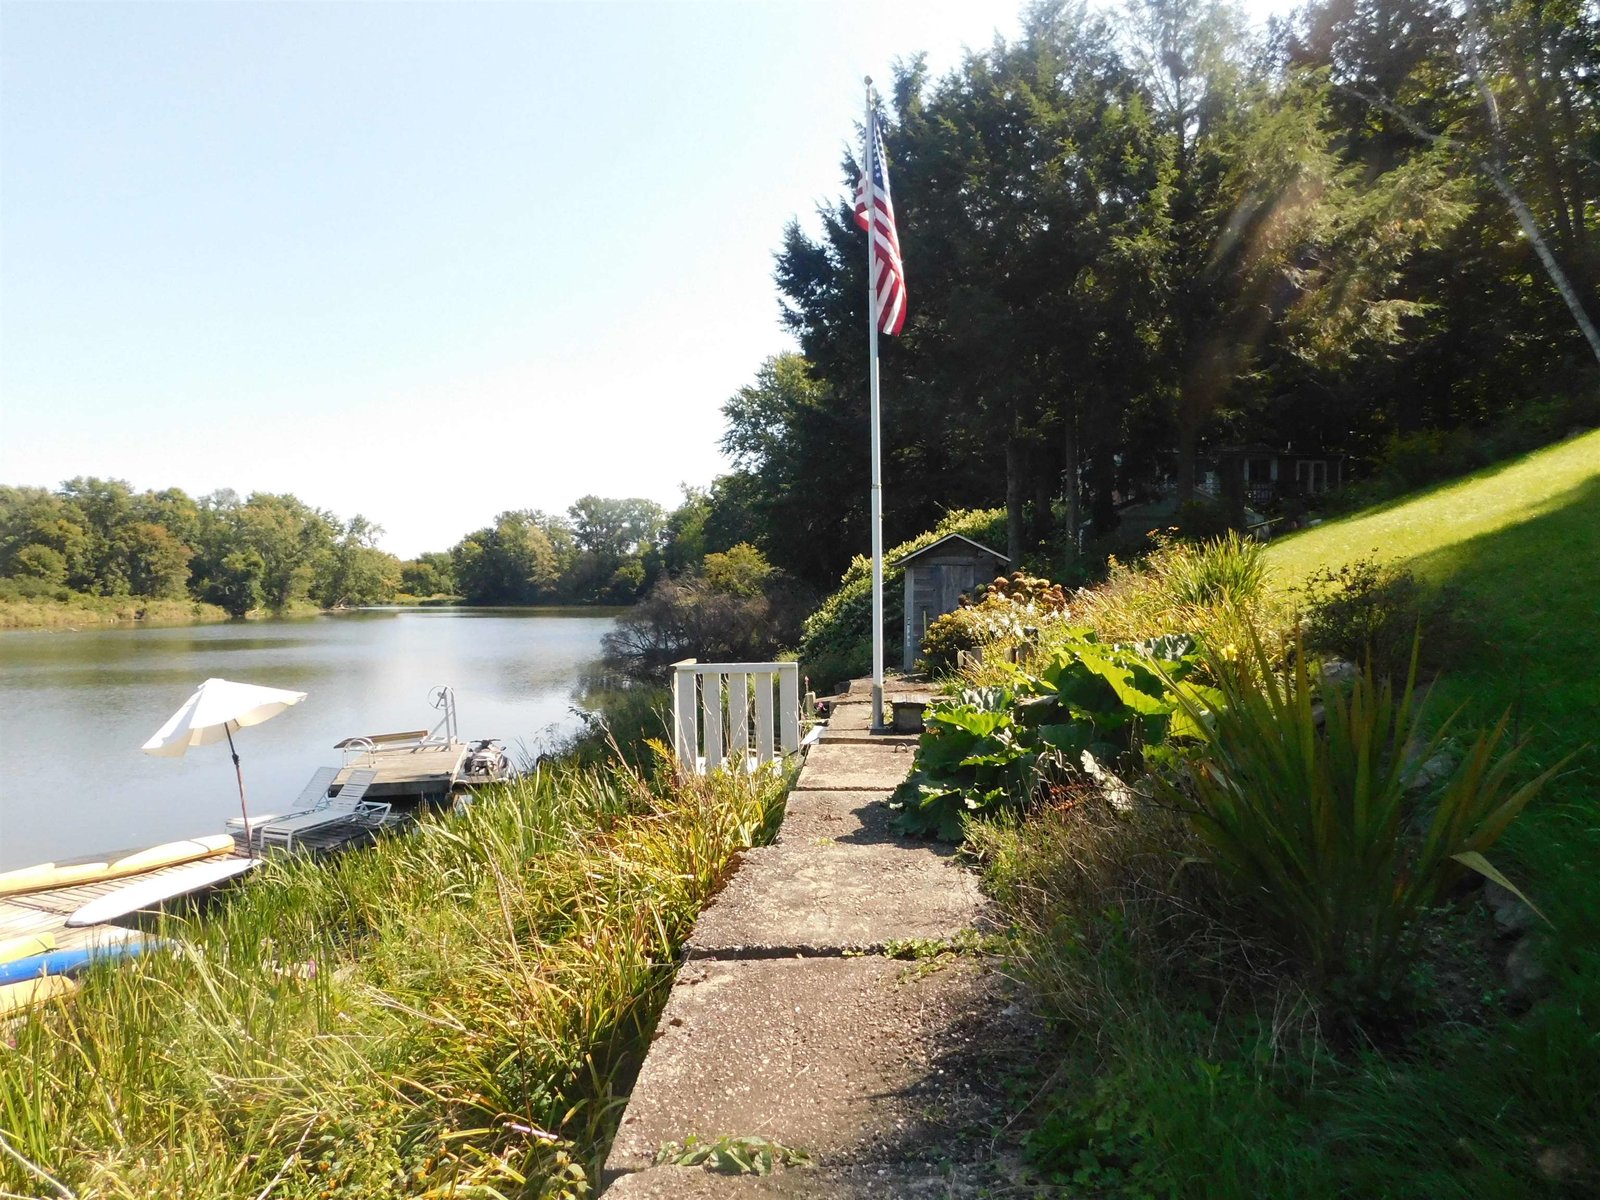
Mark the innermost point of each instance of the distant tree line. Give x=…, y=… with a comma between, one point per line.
x=99, y=537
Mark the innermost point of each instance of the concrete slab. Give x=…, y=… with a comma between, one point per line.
x=901, y=1182
x=841, y=816
x=856, y=717
x=830, y=895
x=855, y=768
x=853, y=723
x=854, y=1060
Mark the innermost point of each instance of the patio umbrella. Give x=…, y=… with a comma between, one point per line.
x=217, y=708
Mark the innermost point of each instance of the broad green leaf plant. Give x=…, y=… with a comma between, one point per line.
x=986, y=749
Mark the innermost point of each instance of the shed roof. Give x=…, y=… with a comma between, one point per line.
x=943, y=546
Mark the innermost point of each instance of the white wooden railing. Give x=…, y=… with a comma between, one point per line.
x=714, y=720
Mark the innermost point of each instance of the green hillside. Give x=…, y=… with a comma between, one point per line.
x=1520, y=544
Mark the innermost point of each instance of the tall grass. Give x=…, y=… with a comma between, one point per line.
x=454, y=1012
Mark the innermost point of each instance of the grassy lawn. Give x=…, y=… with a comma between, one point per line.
x=1520, y=544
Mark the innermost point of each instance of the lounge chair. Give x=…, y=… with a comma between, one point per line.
x=349, y=807
x=313, y=796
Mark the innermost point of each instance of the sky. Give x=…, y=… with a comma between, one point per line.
x=425, y=262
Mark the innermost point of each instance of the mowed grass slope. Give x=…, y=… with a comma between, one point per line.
x=1519, y=543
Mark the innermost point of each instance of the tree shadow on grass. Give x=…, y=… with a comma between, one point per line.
x=1531, y=593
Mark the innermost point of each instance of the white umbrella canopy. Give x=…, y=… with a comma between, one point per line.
x=216, y=709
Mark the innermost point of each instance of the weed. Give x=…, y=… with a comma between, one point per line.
x=727, y=1155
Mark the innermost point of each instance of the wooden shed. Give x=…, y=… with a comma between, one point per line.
x=936, y=578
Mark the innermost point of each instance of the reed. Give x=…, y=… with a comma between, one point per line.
x=452, y=1012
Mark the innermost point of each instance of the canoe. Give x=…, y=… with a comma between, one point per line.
x=15, y=997
x=143, y=894
x=65, y=962
x=29, y=944
x=169, y=854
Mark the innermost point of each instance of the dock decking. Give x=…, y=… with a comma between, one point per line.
x=46, y=912
x=420, y=773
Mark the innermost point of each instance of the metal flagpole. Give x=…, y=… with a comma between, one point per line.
x=872, y=375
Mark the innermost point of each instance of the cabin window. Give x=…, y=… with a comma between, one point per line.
x=1312, y=476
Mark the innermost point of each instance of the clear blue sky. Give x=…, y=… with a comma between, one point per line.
x=420, y=261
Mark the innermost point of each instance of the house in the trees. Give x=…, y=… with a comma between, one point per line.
x=937, y=576
x=1259, y=476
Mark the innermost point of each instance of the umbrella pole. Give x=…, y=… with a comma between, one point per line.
x=249, y=842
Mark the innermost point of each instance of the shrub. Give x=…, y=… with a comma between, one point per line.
x=1300, y=794
x=1202, y=520
x=692, y=618
x=1009, y=606
x=1365, y=610
x=837, y=639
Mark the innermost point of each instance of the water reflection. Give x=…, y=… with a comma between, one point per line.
x=79, y=705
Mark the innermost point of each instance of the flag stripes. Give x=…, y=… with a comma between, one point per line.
x=889, y=286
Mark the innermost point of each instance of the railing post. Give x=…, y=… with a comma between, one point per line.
x=789, y=707
x=739, y=719
x=685, y=704
x=711, y=715
x=764, y=710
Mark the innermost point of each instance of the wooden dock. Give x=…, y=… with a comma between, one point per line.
x=409, y=776
x=47, y=911
x=428, y=772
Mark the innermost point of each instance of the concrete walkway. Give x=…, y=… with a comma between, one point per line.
x=790, y=1022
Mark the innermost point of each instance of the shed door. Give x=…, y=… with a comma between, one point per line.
x=955, y=579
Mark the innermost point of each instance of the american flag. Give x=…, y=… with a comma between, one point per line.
x=890, y=282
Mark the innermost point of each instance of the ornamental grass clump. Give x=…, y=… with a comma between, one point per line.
x=1300, y=793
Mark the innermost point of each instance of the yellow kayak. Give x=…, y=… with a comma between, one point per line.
x=12, y=949
x=169, y=854
x=15, y=997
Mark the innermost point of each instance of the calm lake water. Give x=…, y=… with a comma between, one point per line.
x=78, y=706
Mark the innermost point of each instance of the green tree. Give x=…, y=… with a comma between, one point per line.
x=740, y=571
x=153, y=561
x=509, y=562
x=39, y=562
x=237, y=585
x=355, y=572
x=429, y=574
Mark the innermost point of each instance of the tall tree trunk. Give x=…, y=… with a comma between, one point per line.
x=1070, y=484
x=1188, y=443
x=1015, y=454
x=1044, y=479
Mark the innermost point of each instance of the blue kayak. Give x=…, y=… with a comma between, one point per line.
x=65, y=962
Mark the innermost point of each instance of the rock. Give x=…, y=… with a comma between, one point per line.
x=1436, y=770
x=1525, y=974
x=1561, y=1164
x=1511, y=915
x=1339, y=671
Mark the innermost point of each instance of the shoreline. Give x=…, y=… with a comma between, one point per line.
x=104, y=612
